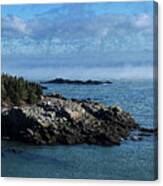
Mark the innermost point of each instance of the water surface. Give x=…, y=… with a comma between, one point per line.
x=131, y=160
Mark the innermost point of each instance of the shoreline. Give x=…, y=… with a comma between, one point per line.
x=58, y=120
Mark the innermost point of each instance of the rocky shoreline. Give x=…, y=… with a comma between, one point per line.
x=76, y=82
x=57, y=120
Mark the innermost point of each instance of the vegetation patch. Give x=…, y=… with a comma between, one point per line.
x=17, y=91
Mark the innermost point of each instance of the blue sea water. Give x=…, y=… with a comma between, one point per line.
x=129, y=161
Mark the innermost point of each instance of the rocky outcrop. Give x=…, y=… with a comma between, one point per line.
x=148, y=130
x=57, y=120
x=77, y=82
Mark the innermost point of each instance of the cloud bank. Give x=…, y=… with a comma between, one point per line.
x=102, y=34
x=75, y=29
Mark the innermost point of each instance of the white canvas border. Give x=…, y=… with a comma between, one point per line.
x=62, y=182
x=61, y=1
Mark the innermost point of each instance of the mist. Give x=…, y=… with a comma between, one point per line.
x=83, y=73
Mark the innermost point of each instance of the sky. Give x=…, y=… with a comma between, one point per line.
x=40, y=38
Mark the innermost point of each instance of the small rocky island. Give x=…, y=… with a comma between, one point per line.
x=54, y=119
x=76, y=82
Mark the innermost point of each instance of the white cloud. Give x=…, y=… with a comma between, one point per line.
x=102, y=33
x=14, y=24
x=142, y=21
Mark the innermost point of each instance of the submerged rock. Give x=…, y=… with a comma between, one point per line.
x=136, y=138
x=57, y=120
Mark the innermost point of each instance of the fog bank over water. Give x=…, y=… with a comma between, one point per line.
x=79, y=41
x=83, y=73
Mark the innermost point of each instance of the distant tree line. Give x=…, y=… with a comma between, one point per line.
x=17, y=91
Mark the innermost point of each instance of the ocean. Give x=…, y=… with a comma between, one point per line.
x=132, y=160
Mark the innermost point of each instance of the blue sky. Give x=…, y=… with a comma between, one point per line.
x=72, y=35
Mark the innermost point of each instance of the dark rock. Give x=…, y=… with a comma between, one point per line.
x=55, y=120
x=56, y=95
x=148, y=130
x=78, y=82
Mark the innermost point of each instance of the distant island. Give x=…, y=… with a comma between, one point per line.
x=77, y=82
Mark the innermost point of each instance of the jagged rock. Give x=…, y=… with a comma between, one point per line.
x=30, y=131
x=55, y=120
x=56, y=95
